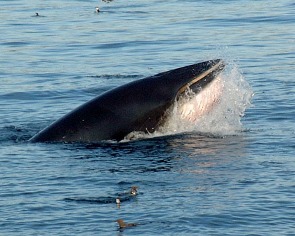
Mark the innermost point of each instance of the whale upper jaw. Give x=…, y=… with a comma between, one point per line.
x=204, y=78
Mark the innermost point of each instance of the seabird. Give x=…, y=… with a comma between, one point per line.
x=122, y=224
x=118, y=201
x=133, y=190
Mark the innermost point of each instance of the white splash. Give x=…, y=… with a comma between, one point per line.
x=216, y=110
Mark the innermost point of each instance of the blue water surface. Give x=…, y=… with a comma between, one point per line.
x=189, y=184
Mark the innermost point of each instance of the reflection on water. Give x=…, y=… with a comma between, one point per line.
x=189, y=152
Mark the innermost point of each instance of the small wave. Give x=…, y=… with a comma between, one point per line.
x=14, y=134
x=124, y=197
x=101, y=200
x=98, y=200
x=16, y=44
x=106, y=82
x=31, y=95
x=119, y=76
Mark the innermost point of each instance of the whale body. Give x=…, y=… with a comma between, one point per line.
x=136, y=106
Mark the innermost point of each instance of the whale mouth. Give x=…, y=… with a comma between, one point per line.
x=201, y=94
x=201, y=81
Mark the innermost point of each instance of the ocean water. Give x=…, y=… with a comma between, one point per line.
x=232, y=173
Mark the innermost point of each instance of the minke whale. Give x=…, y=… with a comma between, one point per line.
x=140, y=105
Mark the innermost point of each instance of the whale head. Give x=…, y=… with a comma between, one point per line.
x=140, y=105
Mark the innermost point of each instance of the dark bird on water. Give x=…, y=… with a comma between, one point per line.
x=133, y=190
x=122, y=224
